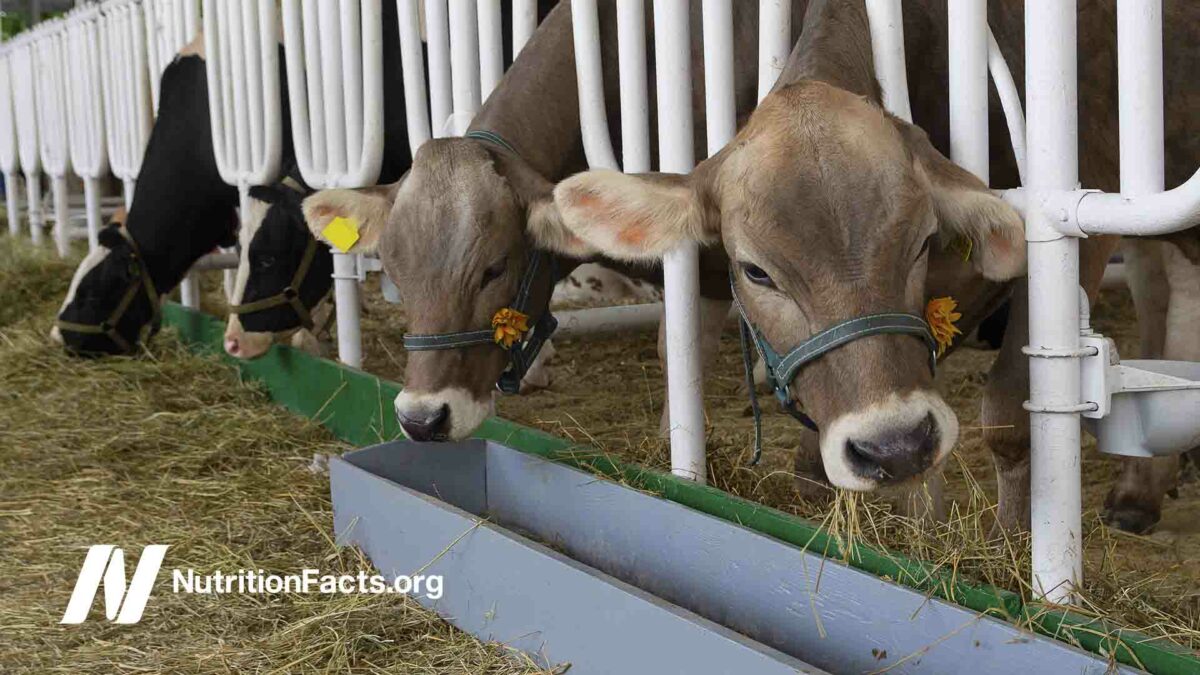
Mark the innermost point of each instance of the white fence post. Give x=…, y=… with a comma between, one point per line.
x=53, y=120
x=242, y=63
x=126, y=90
x=336, y=106
x=1054, y=366
x=25, y=101
x=9, y=160
x=968, y=43
x=89, y=154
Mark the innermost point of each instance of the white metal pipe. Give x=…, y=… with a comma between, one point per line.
x=887, y=47
x=1140, y=91
x=62, y=215
x=91, y=196
x=579, y=323
x=345, y=295
x=774, y=42
x=189, y=291
x=968, y=63
x=1010, y=101
x=681, y=272
x=464, y=63
x=635, y=95
x=437, y=32
x=33, y=191
x=335, y=113
x=12, y=203
x=589, y=71
x=1054, y=374
x=413, y=62
x=491, y=46
x=719, y=104
x=224, y=260
x=525, y=20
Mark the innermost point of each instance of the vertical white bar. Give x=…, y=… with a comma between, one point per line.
x=491, y=46
x=1051, y=86
x=413, y=61
x=441, y=98
x=352, y=81
x=464, y=62
x=62, y=214
x=525, y=19
x=968, y=49
x=774, y=42
x=345, y=295
x=1140, y=83
x=33, y=190
x=589, y=74
x=12, y=203
x=887, y=47
x=719, y=104
x=335, y=112
x=635, y=95
x=681, y=272
x=91, y=199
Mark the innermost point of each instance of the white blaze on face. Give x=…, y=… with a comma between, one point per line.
x=466, y=412
x=896, y=414
x=89, y=263
x=238, y=342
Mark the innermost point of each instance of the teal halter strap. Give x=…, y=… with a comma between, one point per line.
x=523, y=352
x=782, y=370
x=491, y=137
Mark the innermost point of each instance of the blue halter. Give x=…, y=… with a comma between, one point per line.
x=782, y=370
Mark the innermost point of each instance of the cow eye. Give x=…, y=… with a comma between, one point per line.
x=757, y=275
x=493, y=273
x=266, y=261
x=924, y=247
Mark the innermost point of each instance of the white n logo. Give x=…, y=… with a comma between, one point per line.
x=108, y=562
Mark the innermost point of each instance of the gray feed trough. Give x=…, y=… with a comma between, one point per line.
x=571, y=568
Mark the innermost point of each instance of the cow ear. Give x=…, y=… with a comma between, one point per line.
x=967, y=209
x=635, y=217
x=365, y=208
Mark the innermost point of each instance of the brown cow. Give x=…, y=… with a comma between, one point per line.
x=452, y=234
x=829, y=209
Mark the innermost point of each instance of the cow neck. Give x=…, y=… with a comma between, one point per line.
x=535, y=108
x=181, y=208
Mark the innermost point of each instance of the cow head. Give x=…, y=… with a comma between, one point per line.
x=452, y=237
x=827, y=207
x=275, y=244
x=98, y=287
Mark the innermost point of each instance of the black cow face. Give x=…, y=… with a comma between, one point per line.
x=275, y=254
x=99, y=285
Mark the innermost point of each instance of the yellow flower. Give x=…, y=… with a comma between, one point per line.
x=940, y=315
x=510, y=325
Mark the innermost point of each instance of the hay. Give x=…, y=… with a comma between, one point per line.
x=170, y=448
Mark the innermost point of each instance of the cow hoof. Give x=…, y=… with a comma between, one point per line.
x=1131, y=518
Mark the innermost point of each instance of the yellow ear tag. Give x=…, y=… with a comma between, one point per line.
x=342, y=233
x=964, y=246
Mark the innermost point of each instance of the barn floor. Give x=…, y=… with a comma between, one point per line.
x=171, y=448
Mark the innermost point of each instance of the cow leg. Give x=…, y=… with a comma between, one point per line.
x=712, y=322
x=1134, y=503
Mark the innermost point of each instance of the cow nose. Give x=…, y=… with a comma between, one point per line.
x=425, y=425
x=895, y=456
x=232, y=346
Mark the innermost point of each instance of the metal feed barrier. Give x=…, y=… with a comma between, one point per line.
x=99, y=118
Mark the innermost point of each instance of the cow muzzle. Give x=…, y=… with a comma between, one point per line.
x=898, y=440
x=451, y=414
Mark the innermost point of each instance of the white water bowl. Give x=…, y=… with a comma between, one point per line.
x=1155, y=410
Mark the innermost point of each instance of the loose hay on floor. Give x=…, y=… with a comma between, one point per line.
x=170, y=448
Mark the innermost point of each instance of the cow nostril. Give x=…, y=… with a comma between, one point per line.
x=895, y=456
x=425, y=425
x=232, y=346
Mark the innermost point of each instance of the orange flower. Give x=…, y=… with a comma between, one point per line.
x=940, y=315
x=510, y=326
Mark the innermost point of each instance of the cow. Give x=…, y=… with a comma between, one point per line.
x=830, y=208
x=181, y=210
x=452, y=234
x=276, y=293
